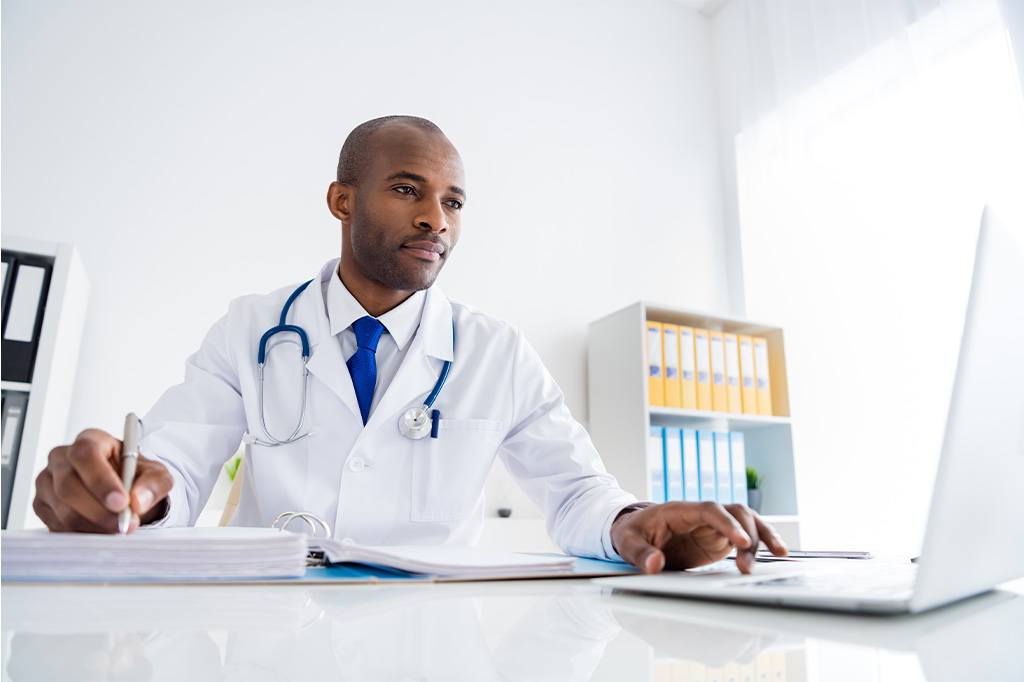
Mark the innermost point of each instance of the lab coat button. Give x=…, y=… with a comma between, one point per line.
x=356, y=464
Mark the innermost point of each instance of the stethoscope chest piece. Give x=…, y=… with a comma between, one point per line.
x=415, y=423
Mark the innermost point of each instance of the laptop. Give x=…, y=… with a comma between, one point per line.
x=974, y=539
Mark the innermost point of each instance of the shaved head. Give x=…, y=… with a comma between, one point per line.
x=357, y=152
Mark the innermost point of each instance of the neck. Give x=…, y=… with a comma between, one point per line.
x=375, y=298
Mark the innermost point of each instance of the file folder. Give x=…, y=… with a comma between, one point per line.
x=23, y=316
x=670, y=343
x=748, y=387
x=687, y=368
x=764, y=384
x=656, y=465
x=703, y=350
x=732, y=373
x=723, y=469
x=706, y=464
x=719, y=396
x=738, y=460
x=15, y=403
x=673, y=466
x=655, y=366
x=691, y=472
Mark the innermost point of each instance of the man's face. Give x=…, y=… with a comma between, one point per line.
x=405, y=218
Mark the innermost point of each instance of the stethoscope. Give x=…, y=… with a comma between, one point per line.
x=416, y=423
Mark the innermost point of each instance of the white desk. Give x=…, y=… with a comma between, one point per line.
x=527, y=630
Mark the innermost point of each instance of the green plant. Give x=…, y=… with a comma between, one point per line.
x=753, y=479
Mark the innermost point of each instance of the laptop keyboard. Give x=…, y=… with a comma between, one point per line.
x=895, y=581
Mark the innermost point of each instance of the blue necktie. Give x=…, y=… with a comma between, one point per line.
x=363, y=363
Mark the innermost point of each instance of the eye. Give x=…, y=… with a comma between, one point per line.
x=405, y=189
x=455, y=203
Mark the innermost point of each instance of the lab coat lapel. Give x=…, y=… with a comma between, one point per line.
x=429, y=348
x=326, y=361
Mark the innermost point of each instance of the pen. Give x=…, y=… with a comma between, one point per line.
x=129, y=459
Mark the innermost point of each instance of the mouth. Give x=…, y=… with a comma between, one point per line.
x=424, y=250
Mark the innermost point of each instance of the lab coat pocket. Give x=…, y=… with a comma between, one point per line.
x=280, y=477
x=448, y=472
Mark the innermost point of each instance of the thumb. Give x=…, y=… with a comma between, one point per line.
x=151, y=485
x=642, y=554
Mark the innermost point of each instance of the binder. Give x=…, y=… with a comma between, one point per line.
x=670, y=344
x=761, y=376
x=738, y=465
x=732, y=373
x=673, y=466
x=723, y=469
x=12, y=422
x=748, y=388
x=24, y=305
x=687, y=369
x=691, y=472
x=656, y=465
x=703, y=351
x=706, y=464
x=655, y=366
x=719, y=396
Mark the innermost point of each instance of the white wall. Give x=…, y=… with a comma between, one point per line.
x=186, y=148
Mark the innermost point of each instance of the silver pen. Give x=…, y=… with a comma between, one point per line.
x=129, y=460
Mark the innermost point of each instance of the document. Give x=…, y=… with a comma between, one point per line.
x=441, y=560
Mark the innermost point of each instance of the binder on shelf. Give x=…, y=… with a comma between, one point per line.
x=687, y=369
x=761, y=376
x=723, y=469
x=655, y=365
x=719, y=396
x=703, y=350
x=673, y=466
x=691, y=472
x=15, y=404
x=706, y=464
x=656, y=464
x=738, y=465
x=23, y=315
x=670, y=344
x=748, y=387
x=732, y=373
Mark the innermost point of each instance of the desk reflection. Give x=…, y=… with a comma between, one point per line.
x=533, y=630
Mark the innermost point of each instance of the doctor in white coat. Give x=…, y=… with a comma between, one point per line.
x=379, y=340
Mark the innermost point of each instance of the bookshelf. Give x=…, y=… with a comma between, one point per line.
x=43, y=402
x=620, y=416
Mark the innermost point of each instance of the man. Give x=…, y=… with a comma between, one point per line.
x=378, y=333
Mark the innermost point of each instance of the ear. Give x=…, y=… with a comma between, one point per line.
x=340, y=197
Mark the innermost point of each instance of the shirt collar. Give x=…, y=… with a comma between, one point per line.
x=343, y=309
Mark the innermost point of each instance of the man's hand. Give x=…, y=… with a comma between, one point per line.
x=679, y=535
x=80, y=488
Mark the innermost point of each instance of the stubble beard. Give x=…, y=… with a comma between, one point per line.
x=383, y=262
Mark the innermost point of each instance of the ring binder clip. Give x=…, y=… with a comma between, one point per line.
x=315, y=523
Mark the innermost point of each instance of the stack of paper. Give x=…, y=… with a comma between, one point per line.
x=442, y=560
x=153, y=554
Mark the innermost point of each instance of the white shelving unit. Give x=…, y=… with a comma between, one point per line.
x=620, y=416
x=53, y=375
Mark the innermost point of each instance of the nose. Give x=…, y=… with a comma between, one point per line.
x=432, y=218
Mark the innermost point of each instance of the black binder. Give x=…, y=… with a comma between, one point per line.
x=19, y=355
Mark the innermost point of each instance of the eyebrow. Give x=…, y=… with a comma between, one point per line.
x=406, y=175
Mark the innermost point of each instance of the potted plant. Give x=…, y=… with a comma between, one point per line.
x=754, y=482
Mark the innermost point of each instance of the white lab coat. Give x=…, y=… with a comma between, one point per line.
x=370, y=483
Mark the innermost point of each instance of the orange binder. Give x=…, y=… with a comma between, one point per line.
x=670, y=344
x=761, y=376
x=719, y=396
x=655, y=366
x=687, y=368
x=703, y=351
x=748, y=389
x=732, y=373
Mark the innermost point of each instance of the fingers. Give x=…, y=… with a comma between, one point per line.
x=60, y=516
x=684, y=517
x=92, y=456
x=152, y=484
x=745, y=556
x=772, y=539
x=638, y=551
